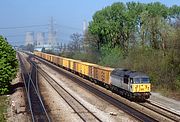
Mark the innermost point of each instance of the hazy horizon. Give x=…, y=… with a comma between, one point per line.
x=68, y=16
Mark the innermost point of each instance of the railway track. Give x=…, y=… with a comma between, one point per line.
x=139, y=115
x=36, y=107
x=161, y=110
x=82, y=111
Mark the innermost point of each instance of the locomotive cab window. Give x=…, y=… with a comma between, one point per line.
x=136, y=80
x=126, y=80
x=140, y=80
x=145, y=80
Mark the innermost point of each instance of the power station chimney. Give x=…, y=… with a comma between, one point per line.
x=51, y=34
x=85, y=25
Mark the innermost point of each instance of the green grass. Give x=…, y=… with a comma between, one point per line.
x=3, y=108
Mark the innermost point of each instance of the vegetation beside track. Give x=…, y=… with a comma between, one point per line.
x=8, y=65
x=3, y=108
x=137, y=36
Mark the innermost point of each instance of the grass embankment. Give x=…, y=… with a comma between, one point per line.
x=3, y=108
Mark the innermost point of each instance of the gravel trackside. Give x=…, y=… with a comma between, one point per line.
x=169, y=103
x=57, y=107
x=17, y=111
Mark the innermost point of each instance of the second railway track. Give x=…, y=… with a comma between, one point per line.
x=82, y=111
x=161, y=110
x=36, y=107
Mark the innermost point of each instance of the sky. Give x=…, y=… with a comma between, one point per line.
x=68, y=16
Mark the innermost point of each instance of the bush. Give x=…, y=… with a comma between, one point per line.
x=111, y=56
x=85, y=57
x=8, y=65
x=177, y=83
x=158, y=66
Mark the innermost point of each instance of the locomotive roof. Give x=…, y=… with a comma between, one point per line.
x=125, y=72
x=137, y=74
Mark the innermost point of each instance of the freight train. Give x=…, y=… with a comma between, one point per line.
x=130, y=84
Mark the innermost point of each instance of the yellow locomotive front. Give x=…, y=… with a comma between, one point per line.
x=141, y=87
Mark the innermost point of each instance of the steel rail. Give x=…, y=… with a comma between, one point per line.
x=161, y=110
x=27, y=90
x=37, y=93
x=161, y=107
x=48, y=77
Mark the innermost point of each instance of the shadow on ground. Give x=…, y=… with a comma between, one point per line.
x=16, y=86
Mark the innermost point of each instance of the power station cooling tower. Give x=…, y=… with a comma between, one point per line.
x=40, y=39
x=29, y=39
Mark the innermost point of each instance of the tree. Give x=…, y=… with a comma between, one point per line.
x=8, y=65
x=153, y=19
x=124, y=25
x=117, y=24
x=76, y=43
x=91, y=47
x=108, y=25
x=174, y=12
